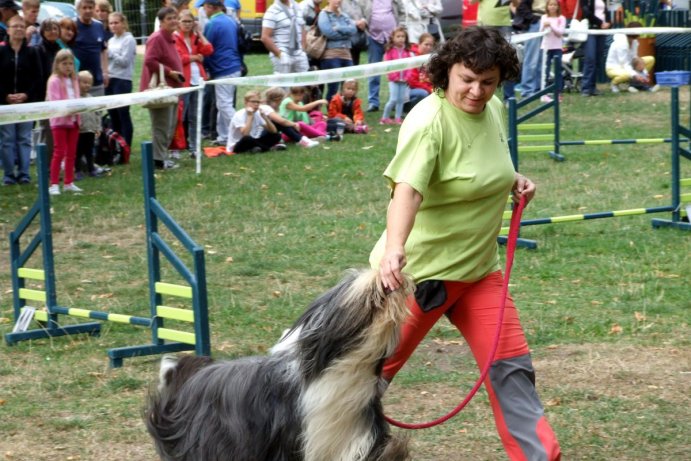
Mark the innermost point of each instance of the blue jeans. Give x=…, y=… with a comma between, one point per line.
x=15, y=145
x=120, y=117
x=375, y=53
x=189, y=118
x=333, y=63
x=399, y=92
x=594, y=49
x=532, y=56
x=417, y=95
x=548, y=65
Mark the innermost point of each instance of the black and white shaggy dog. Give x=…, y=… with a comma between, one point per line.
x=316, y=397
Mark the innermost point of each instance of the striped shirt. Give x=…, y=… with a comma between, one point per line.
x=276, y=18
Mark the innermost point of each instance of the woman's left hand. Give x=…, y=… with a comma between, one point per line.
x=522, y=186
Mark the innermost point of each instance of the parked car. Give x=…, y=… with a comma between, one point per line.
x=251, y=16
x=451, y=16
x=469, y=13
x=55, y=10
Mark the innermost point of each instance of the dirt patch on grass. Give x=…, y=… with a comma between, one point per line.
x=626, y=385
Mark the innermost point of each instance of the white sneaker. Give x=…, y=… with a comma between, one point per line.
x=633, y=90
x=54, y=190
x=615, y=88
x=307, y=142
x=71, y=188
x=655, y=89
x=175, y=154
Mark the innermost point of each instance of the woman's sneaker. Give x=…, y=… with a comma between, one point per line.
x=71, y=188
x=54, y=190
x=386, y=121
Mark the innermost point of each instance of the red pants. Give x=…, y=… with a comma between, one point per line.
x=64, y=148
x=473, y=308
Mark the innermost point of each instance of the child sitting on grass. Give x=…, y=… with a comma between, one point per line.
x=293, y=109
x=250, y=130
x=641, y=80
x=347, y=107
x=291, y=130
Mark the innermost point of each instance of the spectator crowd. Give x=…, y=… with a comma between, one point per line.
x=203, y=39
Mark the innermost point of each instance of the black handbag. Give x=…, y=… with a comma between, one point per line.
x=433, y=28
x=358, y=41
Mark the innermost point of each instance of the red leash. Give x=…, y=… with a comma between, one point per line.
x=510, y=250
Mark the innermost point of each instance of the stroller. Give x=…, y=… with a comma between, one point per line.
x=571, y=77
x=569, y=67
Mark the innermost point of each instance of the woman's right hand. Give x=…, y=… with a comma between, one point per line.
x=390, y=267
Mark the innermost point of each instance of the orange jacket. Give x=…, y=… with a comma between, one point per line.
x=336, y=109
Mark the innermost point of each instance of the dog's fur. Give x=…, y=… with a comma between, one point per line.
x=316, y=397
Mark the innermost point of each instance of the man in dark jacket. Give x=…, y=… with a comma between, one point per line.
x=20, y=83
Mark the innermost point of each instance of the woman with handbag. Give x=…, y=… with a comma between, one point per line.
x=337, y=27
x=161, y=60
x=358, y=11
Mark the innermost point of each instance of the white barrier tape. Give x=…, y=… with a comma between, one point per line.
x=636, y=31
x=316, y=77
x=15, y=113
x=42, y=110
x=520, y=38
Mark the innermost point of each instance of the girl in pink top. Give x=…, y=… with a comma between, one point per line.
x=555, y=25
x=63, y=84
x=398, y=47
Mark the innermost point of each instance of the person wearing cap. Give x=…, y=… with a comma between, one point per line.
x=283, y=35
x=8, y=9
x=225, y=62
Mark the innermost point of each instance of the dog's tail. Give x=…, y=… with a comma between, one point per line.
x=174, y=373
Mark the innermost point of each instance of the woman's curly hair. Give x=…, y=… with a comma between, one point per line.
x=479, y=49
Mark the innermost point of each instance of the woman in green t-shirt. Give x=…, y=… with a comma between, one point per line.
x=450, y=179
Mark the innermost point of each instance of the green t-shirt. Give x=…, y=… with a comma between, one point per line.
x=493, y=13
x=293, y=115
x=461, y=165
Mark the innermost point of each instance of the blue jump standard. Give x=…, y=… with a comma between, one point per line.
x=163, y=340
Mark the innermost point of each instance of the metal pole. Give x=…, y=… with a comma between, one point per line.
x=198, y=133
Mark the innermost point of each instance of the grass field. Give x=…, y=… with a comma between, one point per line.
x=605, y=303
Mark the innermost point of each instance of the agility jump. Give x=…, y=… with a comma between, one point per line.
x=163, y=339
x=680, y=137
